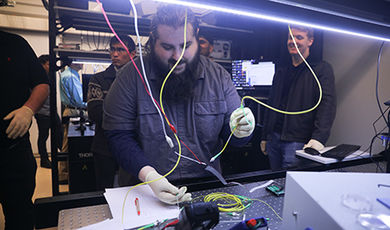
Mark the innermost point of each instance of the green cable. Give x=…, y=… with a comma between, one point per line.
x=152, y=225
x=146, y=226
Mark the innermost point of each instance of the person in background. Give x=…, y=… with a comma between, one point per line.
x=71, y=92
x=99, y=84
x=43, y=121
x=199, y=99
x=23, y=92
x=206, y=48
x=295, y=89
x=71, y=97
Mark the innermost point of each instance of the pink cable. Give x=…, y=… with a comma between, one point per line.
x=127, y=50
x=139, y=73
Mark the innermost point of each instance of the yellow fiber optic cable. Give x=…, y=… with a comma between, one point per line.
x=232, y=203
x=262, y=201
x=162, y=109
x=315, y=77
x=147, y=182
x=278, y=110
x=173, y=68
x=224, y=147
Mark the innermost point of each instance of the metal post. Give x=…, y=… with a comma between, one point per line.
x=53, y=97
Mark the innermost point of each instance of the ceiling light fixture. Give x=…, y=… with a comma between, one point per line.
x=271, y=18
x=89, y=62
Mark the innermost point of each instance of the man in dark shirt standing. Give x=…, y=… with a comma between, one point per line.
x=23, y=92
x=295, y=89
x=99, y=84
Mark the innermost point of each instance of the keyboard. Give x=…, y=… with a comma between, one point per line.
x=341, y=151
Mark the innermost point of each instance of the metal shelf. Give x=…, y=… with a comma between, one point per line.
x=83, y=54
x=81, y=19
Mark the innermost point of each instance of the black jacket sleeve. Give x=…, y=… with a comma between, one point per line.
x=326, y=111
x=126, y=150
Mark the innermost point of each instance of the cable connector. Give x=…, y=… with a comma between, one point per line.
x=385, y=137
x=169, y=141
x=214, y=157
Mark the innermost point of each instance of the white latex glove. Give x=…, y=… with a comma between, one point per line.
x=245, y=123
x=263, y=145
x=314, y=144
x=20, y=123
x=165, y=191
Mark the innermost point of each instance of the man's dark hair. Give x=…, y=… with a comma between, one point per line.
x=43, y=59
x=209, y=38
x=173, y=16
x=125, y=39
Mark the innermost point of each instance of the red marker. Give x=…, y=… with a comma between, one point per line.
x=137, y=206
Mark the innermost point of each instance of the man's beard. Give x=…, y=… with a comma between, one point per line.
x=178, y=86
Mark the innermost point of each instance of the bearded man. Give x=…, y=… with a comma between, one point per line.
x=199, y=100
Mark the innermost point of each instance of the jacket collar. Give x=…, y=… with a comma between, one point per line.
x=111, y=68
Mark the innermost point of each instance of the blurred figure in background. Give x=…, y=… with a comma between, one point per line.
x=206, y=46
x=43, y=121
x=72, y=100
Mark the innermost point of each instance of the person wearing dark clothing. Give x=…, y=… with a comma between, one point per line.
x=206, y=46
x=99, y=84
x=23, y=92
x=295, y=89
x=200, y=101
x=43, y=121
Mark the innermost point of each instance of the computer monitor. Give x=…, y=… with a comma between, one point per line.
x=247, y=74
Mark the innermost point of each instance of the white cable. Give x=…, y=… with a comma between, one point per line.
x=261, y=186
x=167, y=138
x=189, y=158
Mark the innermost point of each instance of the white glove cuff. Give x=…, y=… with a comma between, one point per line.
x=152, y=175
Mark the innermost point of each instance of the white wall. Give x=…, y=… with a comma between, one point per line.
x=354, y=61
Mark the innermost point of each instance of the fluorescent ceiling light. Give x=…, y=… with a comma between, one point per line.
x=91, y=62
x=271, y=18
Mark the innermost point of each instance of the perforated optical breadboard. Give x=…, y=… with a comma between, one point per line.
x=79, y=217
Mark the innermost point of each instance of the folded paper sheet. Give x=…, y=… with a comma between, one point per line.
x=151, y=208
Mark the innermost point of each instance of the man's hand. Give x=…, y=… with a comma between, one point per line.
x=314, y=144
x=263, y=145
x=20, y=123
x=243, y=119
x=165, y=191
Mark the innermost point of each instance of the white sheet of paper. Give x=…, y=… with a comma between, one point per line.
x=152, y=209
